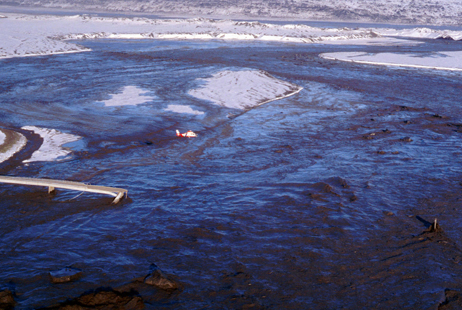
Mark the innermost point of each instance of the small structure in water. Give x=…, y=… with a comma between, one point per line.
x=118, y=193
x=188, y=134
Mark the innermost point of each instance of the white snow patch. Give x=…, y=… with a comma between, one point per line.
x=243, y=89
x=436, y=60
x=182, y=109
x=130, y=95
x=8, y=151
x=52, y=147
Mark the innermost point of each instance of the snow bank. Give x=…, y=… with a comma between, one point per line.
x=52, y=147
x=131, y=95
x=243, y=89
x=436, y=60
x=10, y=143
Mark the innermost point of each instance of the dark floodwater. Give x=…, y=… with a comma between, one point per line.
x=314, y=201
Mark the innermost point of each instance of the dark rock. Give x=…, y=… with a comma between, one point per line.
x=338, y=181
x=104, y=298
x=452, y=300
x=158, y=279
x=406, y=139
x=7, y=300
x=64, y=275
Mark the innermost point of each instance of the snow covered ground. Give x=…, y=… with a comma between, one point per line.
x=31, y=35
x=52, y=147
x=28, y=35
x=243, y=89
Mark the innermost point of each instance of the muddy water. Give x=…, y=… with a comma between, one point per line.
x=319, y=200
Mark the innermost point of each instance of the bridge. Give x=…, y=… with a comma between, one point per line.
x=118, y=193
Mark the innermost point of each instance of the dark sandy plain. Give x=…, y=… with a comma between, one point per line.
x=323, y=200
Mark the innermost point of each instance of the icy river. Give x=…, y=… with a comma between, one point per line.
x=318, y=200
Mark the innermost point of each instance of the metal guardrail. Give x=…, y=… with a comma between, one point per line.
x=118, y=193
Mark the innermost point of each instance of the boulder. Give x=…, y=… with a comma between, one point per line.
x=7, y=300
x=158, y=279
x=67, y=274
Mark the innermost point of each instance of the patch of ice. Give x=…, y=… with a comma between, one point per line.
x=437, y=60
x=243, y=89
x=182, y=109
x=130, y=95
x=52, y=147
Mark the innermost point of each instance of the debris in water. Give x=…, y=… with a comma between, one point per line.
x=188, y=134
